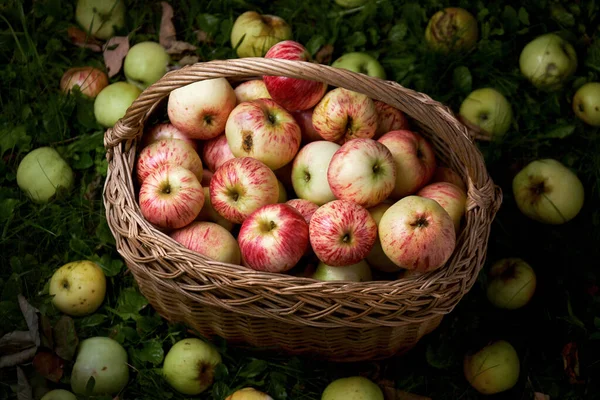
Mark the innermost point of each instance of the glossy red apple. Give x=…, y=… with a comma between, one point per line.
x=304, y=119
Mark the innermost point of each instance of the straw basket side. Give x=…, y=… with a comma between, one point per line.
x=331, y=320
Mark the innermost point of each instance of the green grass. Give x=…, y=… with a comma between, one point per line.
x=36, y=239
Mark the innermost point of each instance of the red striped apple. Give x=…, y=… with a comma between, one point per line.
x=166, y=131
x=389, y=119
x=445, y=174
x=251, y=90
x=171, y=152
x=415, y=161
x=343, y=115
x=273, y=238
x=377, y=257
x=309, y=171
x=304, y=207
x=208, y=212
x=362, y=171
x=264, y=130
x=304, y=119
x=452, y=198
x=210, y=240
x=248, y=393
x=417, y=233
x=200, y=109
x=215, y=152
x=171, y=197
x=342, y=233
x=291, y=93
x=241, y=186
x=89, y=80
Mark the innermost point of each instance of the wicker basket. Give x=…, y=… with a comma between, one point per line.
x=328, y=320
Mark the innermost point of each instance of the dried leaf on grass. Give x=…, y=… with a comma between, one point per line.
x=31, y=318
x=47, y=338
x=15, y=340
x=202, y=36
x=24, y=391
x=391, y=393
x=570, y=356
x=18, y=358
x=115, y=51
x=18, y=347
x=81, y=39
x=323, y=56
x=49, y=365
x=168, y=35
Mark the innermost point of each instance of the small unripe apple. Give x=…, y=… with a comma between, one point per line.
x=253, y=34
x=100, y=17
x=548, y=61
x=78, y=287
x=145, y=63
x=511, y=283
x=586, y=103
x=493, y=369
x=249, y=394
x=487, y=109
x=103, y=359
x=59, y=394
x=452, y=29
x=42, y=173
x=112, y=102
x=352, y=388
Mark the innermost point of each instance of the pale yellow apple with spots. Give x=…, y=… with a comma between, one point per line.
x=78, y=288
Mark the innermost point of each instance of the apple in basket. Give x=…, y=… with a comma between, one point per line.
x=342, y=233
x=342, y=115
x=377, y=258
x=445, y=174
x=309, y=171
x=168, y=151
x=417, y=233
x=171, y=197
x=452, y=198
x=264, y=130
x=305, y=207
x=359, y=272
x=251, y=90
x=389, y=119
x=248, y=393
x=208, y=212
x=415, y=161
x=166, y=131
x=209, y=239
x=291, y=93
x=362, y=171
x=215, y=152
x=273, y=238
x=200, y=109
x=304, y=120
x=241, y=186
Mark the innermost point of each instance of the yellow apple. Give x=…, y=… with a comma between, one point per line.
x=586, y=103
x=78, y=288
x=493, y=369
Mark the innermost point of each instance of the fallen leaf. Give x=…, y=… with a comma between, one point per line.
x=15, y=341
x=24, y=391
x=323, y=56
x=540, y=396
x=47, y=340
x=202, y=36
x=81, y=39
x=65, y=338
x=21, y=357
x=113, y=56
x=49, y=365
x=168, y=35
x=188, y=60
x=93, y=189
x=31, y=318
x=571, y=362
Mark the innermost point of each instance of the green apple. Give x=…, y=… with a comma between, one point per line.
x=362, y=63
x=350, y=3
x=42, y=173
x=145, y=63
x=452, y=29
x=78, y=287
x=112, y=102
x=511, y=283
x=359, y=272
x=253, y=34
x=100, y=17
x=104, y=360
x=548, y=61
x=189, y=366
x=547, y=191
x=59, y=394
x=352, y=388
x=489, y=110
x=586, y=103
x=493, y=369
x=376, y=258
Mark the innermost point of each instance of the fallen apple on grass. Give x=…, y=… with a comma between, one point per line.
x=309, y=171
x=417, y=233
x=352, y=388
x=492, y=369
x=251, y=90
x=452, y=198
x=547, y=191
x=511, y=283
x=189, y=366
x=112, y=102
x=359, y=272
x=168, y=152
x=253, y=34
x=78, y=288
x=59, y=394
x=89, y=80
x=171, y=197
x=145, y=63
x=488, y=110
x=200, y=109
x=43, y=174
x=209, y=239
x=264, y=130
x=293, y=94
x=362, y=63
x=248, y=394
x=452, y=29
x=241, y=186
x=104, y=360
x=100, y=17
x=342, y=233
x=586, y=103
x=166, y=131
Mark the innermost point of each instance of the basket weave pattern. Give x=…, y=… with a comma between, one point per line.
x=332, y=320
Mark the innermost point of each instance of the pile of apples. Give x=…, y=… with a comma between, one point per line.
x=279, y=170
